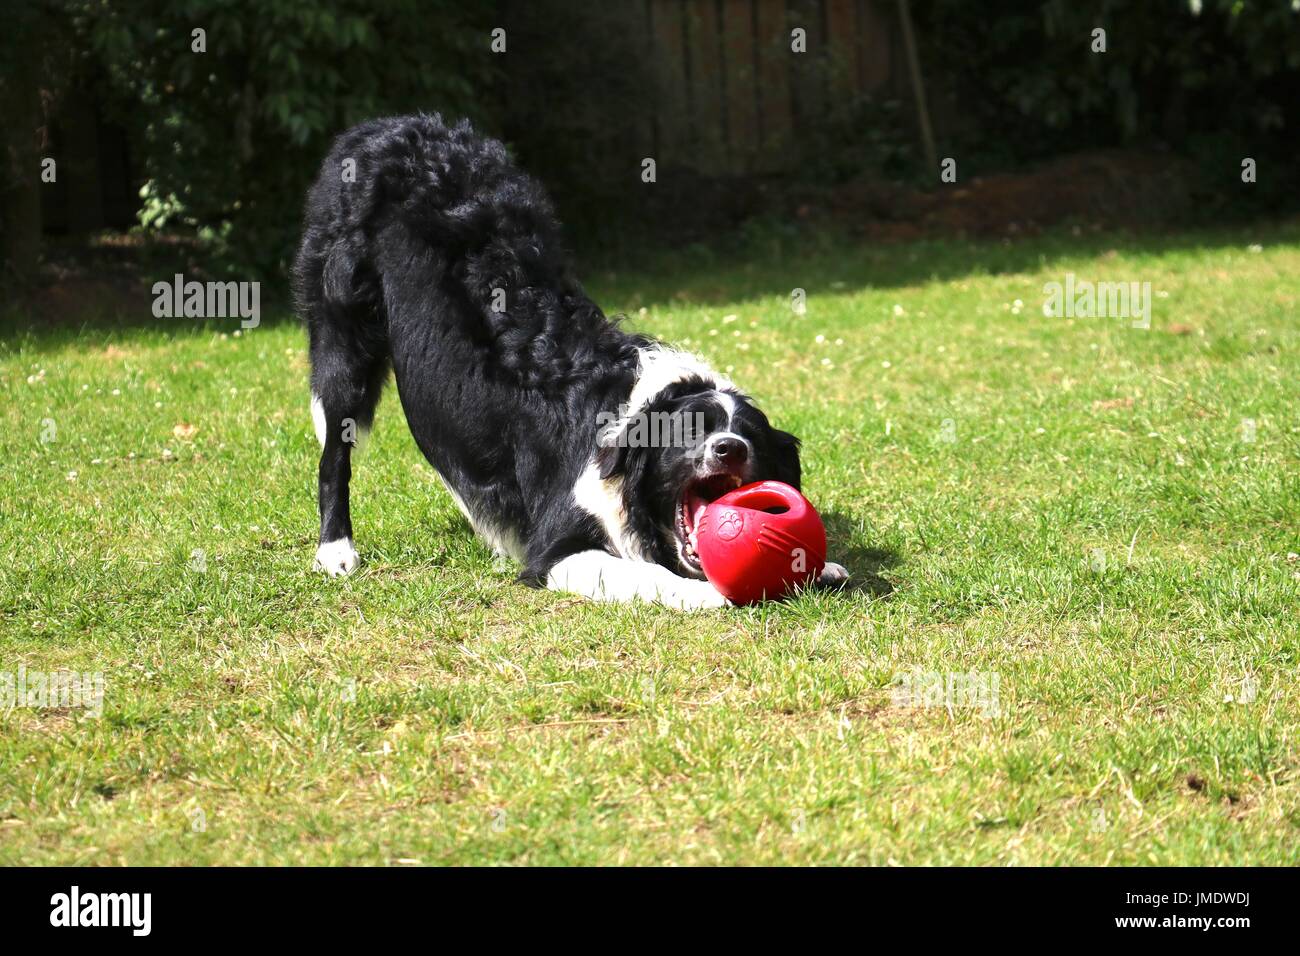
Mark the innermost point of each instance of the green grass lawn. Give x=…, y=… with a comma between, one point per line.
x=1097, y=521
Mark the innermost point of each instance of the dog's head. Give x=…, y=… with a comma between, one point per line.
x=690, y=444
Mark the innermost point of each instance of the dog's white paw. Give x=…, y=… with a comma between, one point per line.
x=337, y=558
x=833, y=575
x=691, y=595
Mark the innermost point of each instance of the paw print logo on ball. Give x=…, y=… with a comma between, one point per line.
x=730, y=524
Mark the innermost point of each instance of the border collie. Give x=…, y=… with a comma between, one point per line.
x=427, y=251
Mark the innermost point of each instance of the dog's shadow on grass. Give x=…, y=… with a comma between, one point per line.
x=865, y=564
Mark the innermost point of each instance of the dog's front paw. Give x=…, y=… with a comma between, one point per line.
x=336, y=558
x=693, y=596
x=833, y=575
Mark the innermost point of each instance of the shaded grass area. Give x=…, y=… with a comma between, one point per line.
x=1102, y=520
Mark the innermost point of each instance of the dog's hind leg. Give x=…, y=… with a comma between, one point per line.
x=347, y=377
x=339, y=297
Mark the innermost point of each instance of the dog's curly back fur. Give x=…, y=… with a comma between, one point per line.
x=450, y=206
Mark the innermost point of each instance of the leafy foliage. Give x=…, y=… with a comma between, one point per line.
x=228, y=138
x=233, y=122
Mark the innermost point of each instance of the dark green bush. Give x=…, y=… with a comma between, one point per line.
x=230, y=138
x=1214, y=80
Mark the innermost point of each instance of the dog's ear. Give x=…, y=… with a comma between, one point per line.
x=625, y=463
x=610, y=460
x=785, y=457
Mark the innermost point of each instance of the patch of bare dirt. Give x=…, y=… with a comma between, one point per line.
x=1093, y=190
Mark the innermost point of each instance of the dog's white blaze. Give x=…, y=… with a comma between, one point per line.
x=502, y=540
x=728, y=404
x=605, y=577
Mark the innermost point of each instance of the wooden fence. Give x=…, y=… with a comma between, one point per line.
x=733, y=93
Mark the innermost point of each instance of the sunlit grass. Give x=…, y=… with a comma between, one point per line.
x=1102, y=518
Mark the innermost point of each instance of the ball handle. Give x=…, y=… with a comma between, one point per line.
x=768, y=495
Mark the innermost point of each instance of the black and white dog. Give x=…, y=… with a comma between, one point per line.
x=426, y=250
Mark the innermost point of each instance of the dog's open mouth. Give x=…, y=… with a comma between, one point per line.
x=690, y=510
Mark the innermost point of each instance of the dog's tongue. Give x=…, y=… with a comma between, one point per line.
x=694, y=511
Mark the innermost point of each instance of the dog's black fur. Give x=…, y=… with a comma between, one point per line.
x=400, y=265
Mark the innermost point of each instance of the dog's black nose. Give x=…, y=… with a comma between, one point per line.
x=731, y=451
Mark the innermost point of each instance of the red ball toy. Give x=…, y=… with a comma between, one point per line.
x=760, y=541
